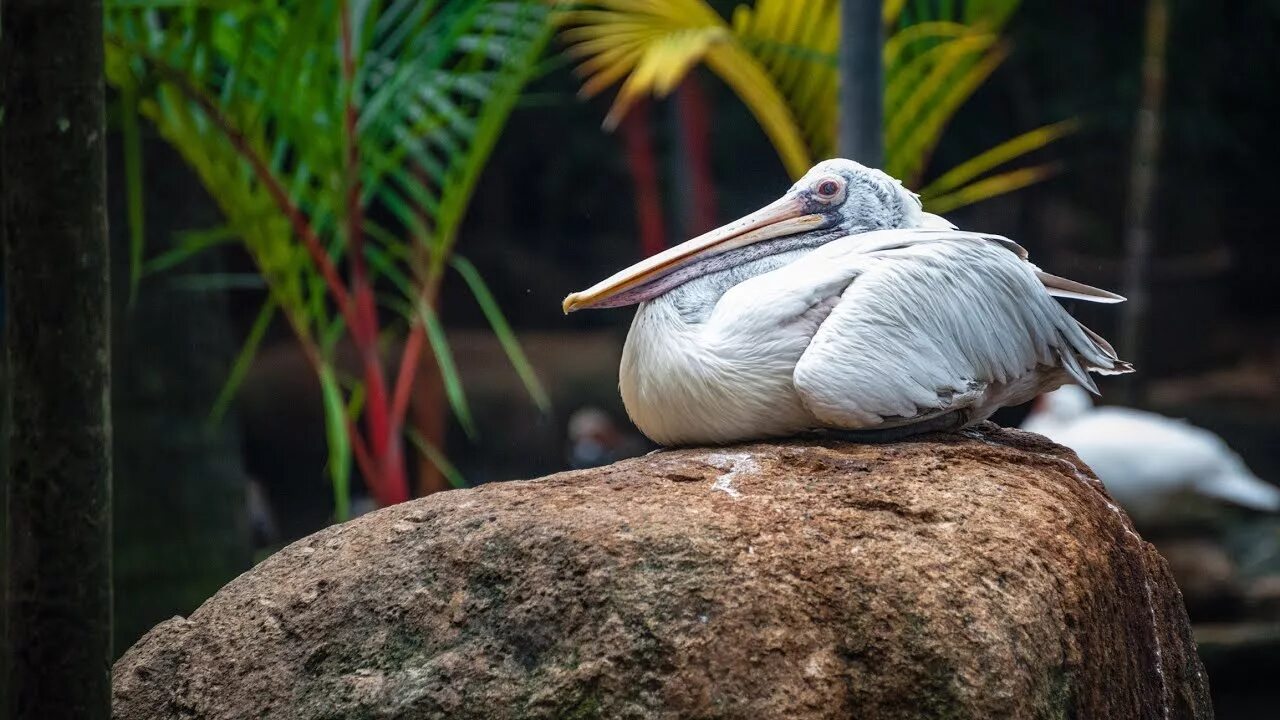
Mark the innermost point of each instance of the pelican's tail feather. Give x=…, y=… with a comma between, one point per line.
x=1115, y=366
x=1071, y=363
x=1120, y=367
x=1090, y=352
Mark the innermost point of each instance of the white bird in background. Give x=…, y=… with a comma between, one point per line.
x=842, y=305
x=1145, y=459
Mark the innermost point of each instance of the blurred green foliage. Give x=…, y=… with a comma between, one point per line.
x=342, y=143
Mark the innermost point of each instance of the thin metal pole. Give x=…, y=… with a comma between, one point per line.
x=862, y=82
x=1142, y=188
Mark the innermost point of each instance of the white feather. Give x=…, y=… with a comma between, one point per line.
x=935, y=222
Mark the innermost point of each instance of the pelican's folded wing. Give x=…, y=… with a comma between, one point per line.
x=906, y=237
x=928, y=323
x=898, y=238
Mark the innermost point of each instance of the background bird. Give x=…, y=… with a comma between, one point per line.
x=595, y=439
x=842, y=305
x=1146, y=459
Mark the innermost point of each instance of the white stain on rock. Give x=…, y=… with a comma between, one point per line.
x=735, y=465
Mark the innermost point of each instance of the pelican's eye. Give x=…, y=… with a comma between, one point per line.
x=828, y=189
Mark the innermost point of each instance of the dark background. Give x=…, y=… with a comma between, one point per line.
x=555, y=212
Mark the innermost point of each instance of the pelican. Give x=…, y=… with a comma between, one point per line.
x=1146, y=459
x=842, y=306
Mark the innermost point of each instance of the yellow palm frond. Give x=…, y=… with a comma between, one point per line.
x=987, y=161
x=654, y=43
x=780, y=58
x=932, y=93
x=750, y=81
x=910, y=36
x=892, y=10
x=990, y=187
x=797, y=44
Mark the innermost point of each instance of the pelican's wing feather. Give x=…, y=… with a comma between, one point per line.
x=1064, y=288
x=929, y=322
x=907, y=237
x=938, y=228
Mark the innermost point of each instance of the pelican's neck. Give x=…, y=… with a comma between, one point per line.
x=693, y=301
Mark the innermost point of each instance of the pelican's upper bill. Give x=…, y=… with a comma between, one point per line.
x=787, y=216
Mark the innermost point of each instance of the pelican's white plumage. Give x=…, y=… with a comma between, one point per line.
x=1146, y=459
x=876, y=330
x=865, y=314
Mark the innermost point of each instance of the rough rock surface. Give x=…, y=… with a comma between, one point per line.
x=985, y=576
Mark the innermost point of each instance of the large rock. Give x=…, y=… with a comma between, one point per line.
x=986, y=576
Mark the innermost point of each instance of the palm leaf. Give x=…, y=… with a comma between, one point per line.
x=502, y=330
x=453, y=389
x=780, y=58
x=990, y=187
x=797, y=44
x=986, y=161
x=750, y=81
x=914, y=129
x=244, y=358
x=131, y=136
x=255, y=98
x=187, y=245
x=335, y=426
x=438, y=459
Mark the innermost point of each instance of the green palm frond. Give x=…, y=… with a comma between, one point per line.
x=780, y=57
x=312, y=160
x=435, y=84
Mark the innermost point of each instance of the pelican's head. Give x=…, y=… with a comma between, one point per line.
x=835, y=198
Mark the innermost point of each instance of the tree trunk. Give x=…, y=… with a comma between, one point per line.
x=862, y=82
x=53, y=231
x=1142, y=185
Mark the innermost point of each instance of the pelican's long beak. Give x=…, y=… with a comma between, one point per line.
x=785, y=216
